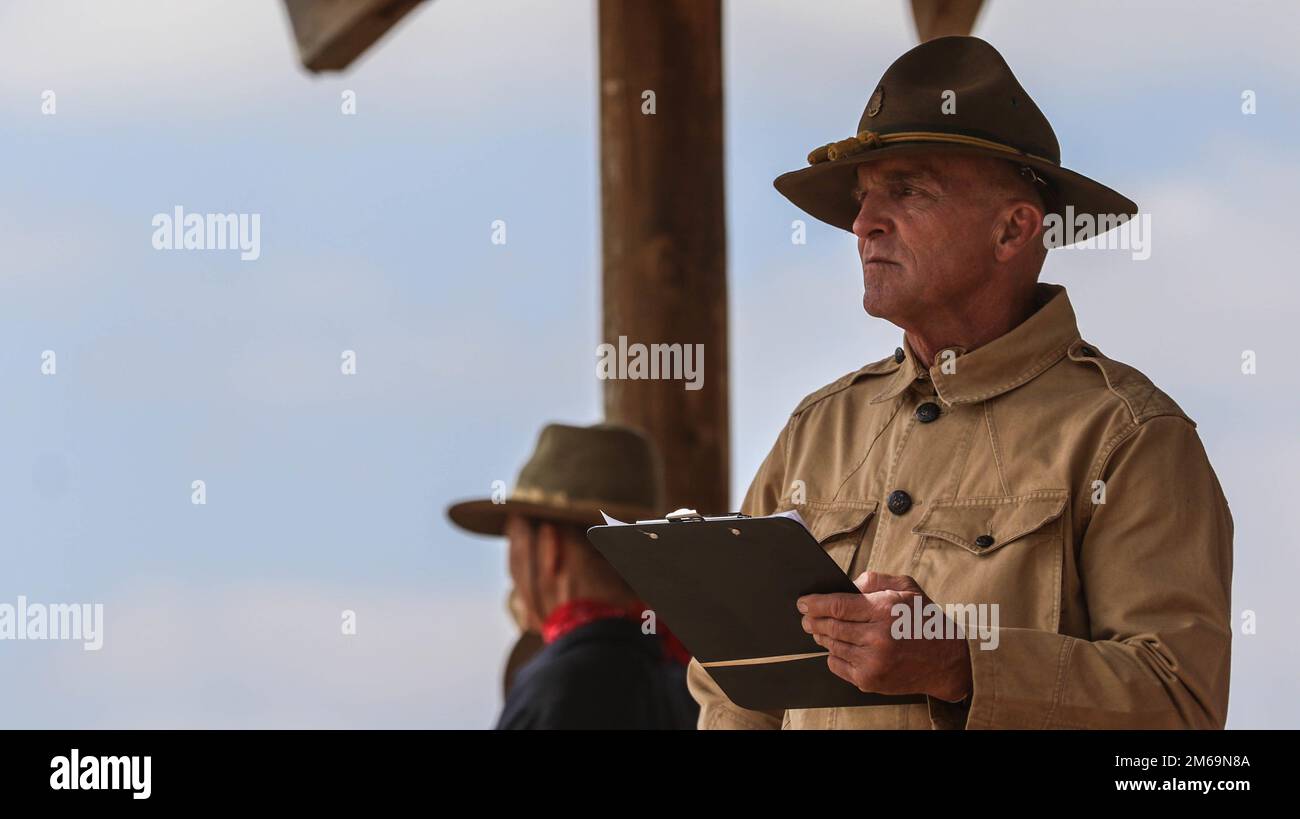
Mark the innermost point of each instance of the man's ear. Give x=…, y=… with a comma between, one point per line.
x=1018, y=229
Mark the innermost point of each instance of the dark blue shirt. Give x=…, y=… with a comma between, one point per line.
x=604, y=674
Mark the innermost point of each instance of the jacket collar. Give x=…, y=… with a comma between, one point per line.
x=999, y=366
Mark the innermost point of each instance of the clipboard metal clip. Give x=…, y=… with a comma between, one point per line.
x=683, y=515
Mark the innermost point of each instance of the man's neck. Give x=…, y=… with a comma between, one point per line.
x=569, y=589
x=579, y=611
x=973, y=324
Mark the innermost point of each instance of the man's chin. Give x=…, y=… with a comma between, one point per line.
x=873, y=306
x=879, y=291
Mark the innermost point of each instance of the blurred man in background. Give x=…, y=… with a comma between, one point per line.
x=605, y=662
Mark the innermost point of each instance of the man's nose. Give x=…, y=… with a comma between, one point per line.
x=871, y=219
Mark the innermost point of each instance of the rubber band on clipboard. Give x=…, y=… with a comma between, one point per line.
x=779, y=658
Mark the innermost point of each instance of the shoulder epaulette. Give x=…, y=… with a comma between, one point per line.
x=1143, y=398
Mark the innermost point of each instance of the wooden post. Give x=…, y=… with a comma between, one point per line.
x=942, y=18
x=663, y=229
x=333, y=33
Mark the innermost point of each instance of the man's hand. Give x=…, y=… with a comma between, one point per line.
x=855, y=628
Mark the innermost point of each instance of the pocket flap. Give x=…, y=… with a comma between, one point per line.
x=984, y=525
x=826, y=519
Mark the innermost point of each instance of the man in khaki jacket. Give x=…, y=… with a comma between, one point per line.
x=996, y=461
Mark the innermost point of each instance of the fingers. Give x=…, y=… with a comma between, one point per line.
x=841, y=669
x=876, y=581
x=837, y=606
x=858, y=644
x=876, y=607
x=849, y=631
x=861, y=676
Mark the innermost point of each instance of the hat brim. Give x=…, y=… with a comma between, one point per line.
x=485, y=517
x=825, y=190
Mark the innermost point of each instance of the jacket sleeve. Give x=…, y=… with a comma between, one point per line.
x=716, y=710
x=1155, y=565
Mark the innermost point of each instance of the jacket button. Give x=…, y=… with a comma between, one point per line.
x=898, y=355
x=984, y=541
x=1087, y=352
x=927, y=412
x=899, y=502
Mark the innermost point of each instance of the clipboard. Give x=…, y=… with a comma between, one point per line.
x=727, y=587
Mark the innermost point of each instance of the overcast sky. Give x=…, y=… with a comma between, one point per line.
x=327, y=493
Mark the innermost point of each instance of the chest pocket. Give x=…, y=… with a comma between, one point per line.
x=839, y=526
x=1005, y=550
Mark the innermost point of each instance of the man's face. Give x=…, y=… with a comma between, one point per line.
x=926, y=231
x=538, y=564
x=519, y=533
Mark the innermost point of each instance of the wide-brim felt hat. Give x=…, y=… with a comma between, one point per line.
x=956, y=95
x=573, y=475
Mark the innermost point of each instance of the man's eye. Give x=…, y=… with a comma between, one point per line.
x=909, y=191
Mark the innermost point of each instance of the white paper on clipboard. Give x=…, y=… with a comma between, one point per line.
x=792, y=514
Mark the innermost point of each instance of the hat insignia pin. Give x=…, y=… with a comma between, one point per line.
x=877, y=100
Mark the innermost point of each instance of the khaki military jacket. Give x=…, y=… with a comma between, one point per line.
x=1033, y=473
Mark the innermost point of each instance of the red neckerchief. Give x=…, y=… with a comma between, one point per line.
x=571, y=615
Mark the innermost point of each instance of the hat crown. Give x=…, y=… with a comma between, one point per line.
x=954, y=95
x=601, y=464
x=986, y=99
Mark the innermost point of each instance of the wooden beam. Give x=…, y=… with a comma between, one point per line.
x=941, y=18
x=333, y=33
x=663, y=230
